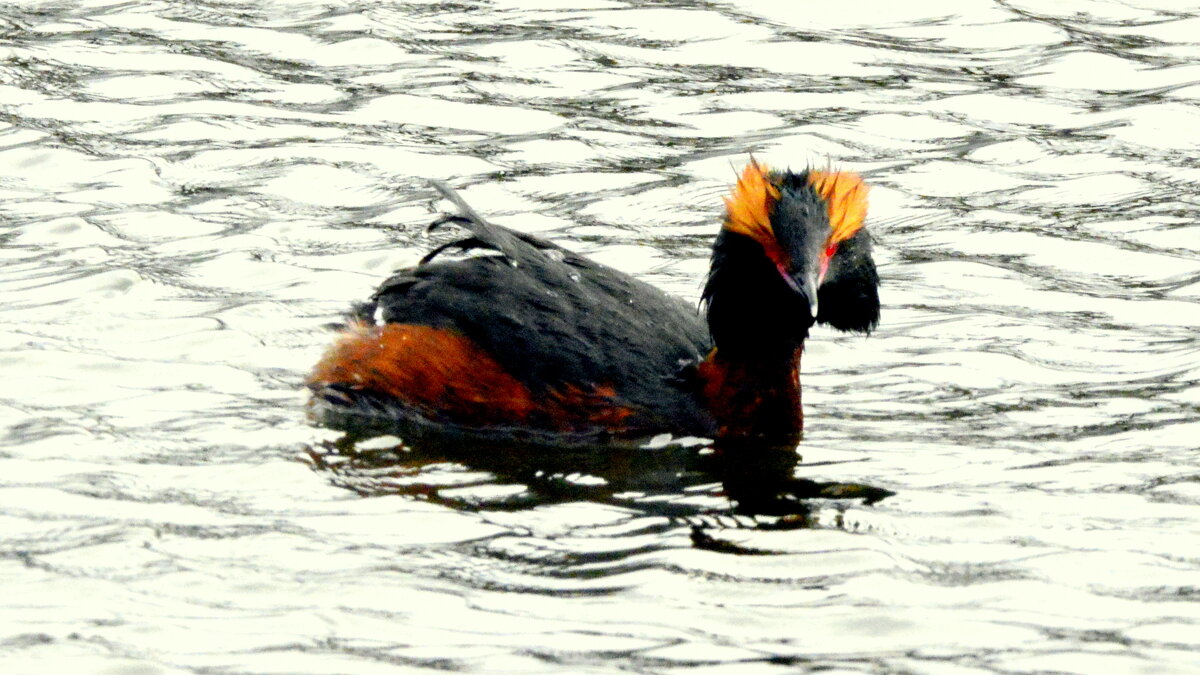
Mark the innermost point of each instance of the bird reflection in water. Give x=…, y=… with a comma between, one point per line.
x=690, y=483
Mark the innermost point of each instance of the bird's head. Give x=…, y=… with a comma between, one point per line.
x=792, y=252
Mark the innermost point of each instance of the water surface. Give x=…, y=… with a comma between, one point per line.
x=191, y=192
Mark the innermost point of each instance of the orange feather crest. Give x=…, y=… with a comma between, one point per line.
x=748, y=208
x=846, y=195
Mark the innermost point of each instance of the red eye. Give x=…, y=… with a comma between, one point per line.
x=829, y=251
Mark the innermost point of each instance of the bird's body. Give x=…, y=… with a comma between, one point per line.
x=530, y=339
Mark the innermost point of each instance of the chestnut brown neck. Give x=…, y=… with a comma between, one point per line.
x=754, y=399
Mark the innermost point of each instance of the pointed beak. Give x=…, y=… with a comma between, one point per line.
x=809, y=288
x=804, y=284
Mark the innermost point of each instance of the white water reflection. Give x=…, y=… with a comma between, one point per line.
x=190, y=193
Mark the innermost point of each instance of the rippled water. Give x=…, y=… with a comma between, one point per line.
x=190, y=192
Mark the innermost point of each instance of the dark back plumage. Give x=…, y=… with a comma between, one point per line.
x=553, y=318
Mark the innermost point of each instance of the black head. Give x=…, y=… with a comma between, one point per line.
x=792, y=252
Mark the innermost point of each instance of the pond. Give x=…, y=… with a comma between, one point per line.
x=191, y=193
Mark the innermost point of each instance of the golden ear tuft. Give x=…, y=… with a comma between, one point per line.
x=846, y=195
x=748, y=208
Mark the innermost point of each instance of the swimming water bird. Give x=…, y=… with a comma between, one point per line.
x=526, y=340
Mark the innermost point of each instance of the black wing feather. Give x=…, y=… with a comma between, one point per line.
x=521, y=248
x=555, y=319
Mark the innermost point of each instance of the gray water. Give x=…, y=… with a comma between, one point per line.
x=190, y=192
